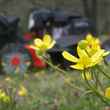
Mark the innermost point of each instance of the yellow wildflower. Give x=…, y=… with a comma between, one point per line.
x=22, y=91
x=2, y=94
x=91, y=45
x=89, y=54
x=3, y=97
x=107, y=92
x=6, y=99
x=8, y=79
x=84, y=61
x=42, y=45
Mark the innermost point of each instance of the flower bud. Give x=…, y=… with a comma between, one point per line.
x=82, y=44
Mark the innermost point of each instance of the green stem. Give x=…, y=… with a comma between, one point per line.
x=55, y=67
x=96, y=77
x=103, y=72
x=106, y=63
x=75, y=87
x=94, y=90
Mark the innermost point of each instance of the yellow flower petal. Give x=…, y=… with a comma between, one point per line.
x=78, y=66
x=107, y=92
x=69, y=57
x=38, y=42
x=106, y=54
x=89, y=37
x=85, y=61
x=97, y=41
x=52, y=44
x=97, y=57
x=82, y=52
x=22, y=91
x=47, y=39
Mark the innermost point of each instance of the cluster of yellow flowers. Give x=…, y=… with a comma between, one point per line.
x=8, y=97
x=89, y=52
x=4, y=97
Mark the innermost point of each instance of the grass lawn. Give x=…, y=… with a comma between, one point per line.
x=50, y=90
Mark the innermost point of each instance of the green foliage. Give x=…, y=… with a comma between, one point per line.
x=49, y=90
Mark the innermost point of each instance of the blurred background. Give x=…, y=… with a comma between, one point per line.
x=97, y=10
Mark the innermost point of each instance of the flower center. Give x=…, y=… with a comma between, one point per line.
x=15, y=61
x=90, y=46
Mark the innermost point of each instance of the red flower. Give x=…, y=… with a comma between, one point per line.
x=37, y=62
x=15, y=60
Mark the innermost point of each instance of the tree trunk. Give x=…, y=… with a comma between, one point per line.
x=90, y=11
